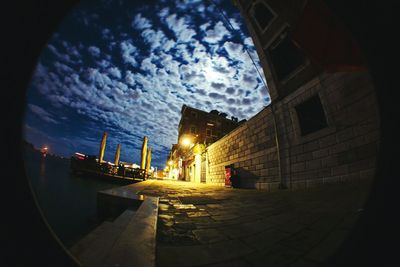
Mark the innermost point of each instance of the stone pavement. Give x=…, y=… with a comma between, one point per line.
x=206, y=225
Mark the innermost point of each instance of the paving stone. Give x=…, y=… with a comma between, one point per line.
x=206, y=236
x=325, y=224
x=198, y=214
x=166, y=223
x=265, y=240
x=184, y=225
x=234, y=263
x=229, y=249
x=328, y=246
x=166, y=216
x=290, y=227
x=163, y=207
x=304, y=240
x=184, y=206
x=224, y=217
x=183, y=256
x=220, y=211
x=198, y=200
x=215, y=206
x=348, y=222
x=196, y=220
x=304, y=263
x=278, y=256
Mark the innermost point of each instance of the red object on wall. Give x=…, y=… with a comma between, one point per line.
x=228, y=175
x=326, y=41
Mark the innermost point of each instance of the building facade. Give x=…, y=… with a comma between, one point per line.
x=204, y=127
x=197, y=129
x=323, y=122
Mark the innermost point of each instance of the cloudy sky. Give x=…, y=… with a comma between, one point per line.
x=127, y=68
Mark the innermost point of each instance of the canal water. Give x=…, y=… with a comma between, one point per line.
x=67, y=202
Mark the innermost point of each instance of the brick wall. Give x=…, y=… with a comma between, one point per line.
x=346, y=150
x=251, y=148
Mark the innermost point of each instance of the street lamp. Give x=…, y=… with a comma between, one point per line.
x=186, y=141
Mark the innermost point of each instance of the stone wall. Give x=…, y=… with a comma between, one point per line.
x=346, y=150
x=252, y=149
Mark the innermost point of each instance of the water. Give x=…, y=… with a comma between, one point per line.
x=67, y=202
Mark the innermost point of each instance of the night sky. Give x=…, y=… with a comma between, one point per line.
x=127, y=67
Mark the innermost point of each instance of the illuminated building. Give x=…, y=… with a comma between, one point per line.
x=197, y=129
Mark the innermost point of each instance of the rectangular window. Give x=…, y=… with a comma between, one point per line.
x=262, y=14
x=193, y=130
x=286, y=57
x=194, y=114
x=311, y=115
x=208, y=132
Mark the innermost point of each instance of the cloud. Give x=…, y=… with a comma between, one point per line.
x=130, y=78
x=216, y=34
x=230, y=90
x=157, y=39
x=141, y=23
x=163, y=12
x=128, y=52
x=41, y=113
x=180, y=28
x=114, y=71
x=147, y=65
x=234, y=50
x=94, y=51
x=217, y=86
x=216, y=96
x=249, y=80
x=235, y=24
x=106, y=34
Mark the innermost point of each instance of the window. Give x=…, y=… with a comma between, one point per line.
x=262, y=14
x=208, y=132
x=193, y=130
x=194, y=114
x=285, y=56
x=311, y=115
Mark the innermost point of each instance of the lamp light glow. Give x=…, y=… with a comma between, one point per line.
x=186, y=142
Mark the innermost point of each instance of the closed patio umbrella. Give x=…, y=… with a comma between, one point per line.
x=117, y=155
x=102, y=147
x=144, y=151
x=148, y=162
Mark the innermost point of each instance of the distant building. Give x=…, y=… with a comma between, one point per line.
x=204, y=127
x=197, y=129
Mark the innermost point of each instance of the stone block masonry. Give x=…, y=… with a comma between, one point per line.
x=345, y=150
x=251, y=148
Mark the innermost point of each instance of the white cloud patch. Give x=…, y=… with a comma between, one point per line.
x=141, y=23
x=128, y=52
x=114, y=71
x=216, y=34
x=129, y=78
x=180, y=27
x=41, y=113
x=94, y=51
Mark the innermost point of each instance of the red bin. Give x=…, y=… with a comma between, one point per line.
x=228, y=175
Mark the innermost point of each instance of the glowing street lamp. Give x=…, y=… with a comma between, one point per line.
x=44, y=150
x=186, y=141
